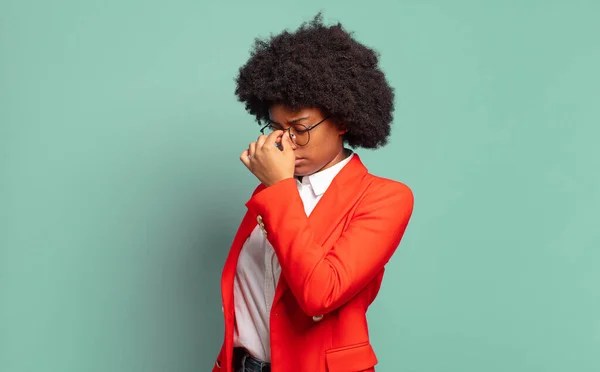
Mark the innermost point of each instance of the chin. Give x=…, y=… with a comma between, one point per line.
x=306, y=168
x=301, y=171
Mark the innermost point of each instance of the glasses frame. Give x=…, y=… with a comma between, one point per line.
x=308, y=129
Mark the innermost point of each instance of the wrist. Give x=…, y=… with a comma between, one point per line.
x=276, y=181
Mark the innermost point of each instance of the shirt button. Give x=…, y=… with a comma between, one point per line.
x=317, y=318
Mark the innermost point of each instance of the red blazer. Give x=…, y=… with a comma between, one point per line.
x=332, y=264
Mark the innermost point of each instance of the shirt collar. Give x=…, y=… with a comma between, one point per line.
x=320, y=181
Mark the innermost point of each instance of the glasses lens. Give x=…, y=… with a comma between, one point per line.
x=300, y=134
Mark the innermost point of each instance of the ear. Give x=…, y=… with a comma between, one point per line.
x=341, y=127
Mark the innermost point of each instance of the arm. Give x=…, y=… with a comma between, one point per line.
x=324, y=279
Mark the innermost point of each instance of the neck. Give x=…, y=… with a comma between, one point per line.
x=341, y=155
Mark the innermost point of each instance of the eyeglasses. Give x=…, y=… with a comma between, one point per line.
x=299, y=134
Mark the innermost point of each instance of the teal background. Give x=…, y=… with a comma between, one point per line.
x=121, y=187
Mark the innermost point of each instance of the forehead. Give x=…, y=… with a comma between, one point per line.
x=283, y=113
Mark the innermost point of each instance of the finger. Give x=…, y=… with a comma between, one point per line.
x=245, y=159
x=272, y=138
x=278, y=143
x=261, y=141
x=286, y=142
x=252, y=149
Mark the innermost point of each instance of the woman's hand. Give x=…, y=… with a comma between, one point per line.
x=269, y=164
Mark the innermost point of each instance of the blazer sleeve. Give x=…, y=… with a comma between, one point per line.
x=324, y=279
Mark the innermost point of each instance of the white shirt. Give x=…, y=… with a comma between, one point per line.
x=258, y=272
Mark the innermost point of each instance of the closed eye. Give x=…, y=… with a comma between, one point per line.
x=298, y=129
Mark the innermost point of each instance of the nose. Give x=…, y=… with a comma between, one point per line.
x=293, y=141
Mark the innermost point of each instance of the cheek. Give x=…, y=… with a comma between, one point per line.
x=317, y=154
x=323, y=144
x=319, y=149
x=310, y=151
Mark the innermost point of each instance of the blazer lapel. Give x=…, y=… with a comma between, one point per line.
x=227, y=278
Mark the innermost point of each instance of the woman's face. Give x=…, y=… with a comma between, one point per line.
x=325, y=147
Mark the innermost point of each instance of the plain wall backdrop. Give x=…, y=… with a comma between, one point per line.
x=121, y=187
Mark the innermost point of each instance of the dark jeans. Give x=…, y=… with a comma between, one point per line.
x=244, y=362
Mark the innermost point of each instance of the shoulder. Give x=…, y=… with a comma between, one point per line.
x=377, y=184
x=386, y=194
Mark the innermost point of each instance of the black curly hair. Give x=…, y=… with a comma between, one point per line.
x=320, y=66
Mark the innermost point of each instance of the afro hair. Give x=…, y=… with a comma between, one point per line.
x=320, y=66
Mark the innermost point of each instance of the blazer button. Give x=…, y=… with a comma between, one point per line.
x=259, y=219
x=222, y=309
x=317, y=318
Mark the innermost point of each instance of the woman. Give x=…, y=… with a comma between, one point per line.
x=308, y=258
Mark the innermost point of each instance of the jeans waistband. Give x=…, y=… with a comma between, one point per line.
x=244, y=362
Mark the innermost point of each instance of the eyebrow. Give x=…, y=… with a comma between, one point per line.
x=291, y=121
